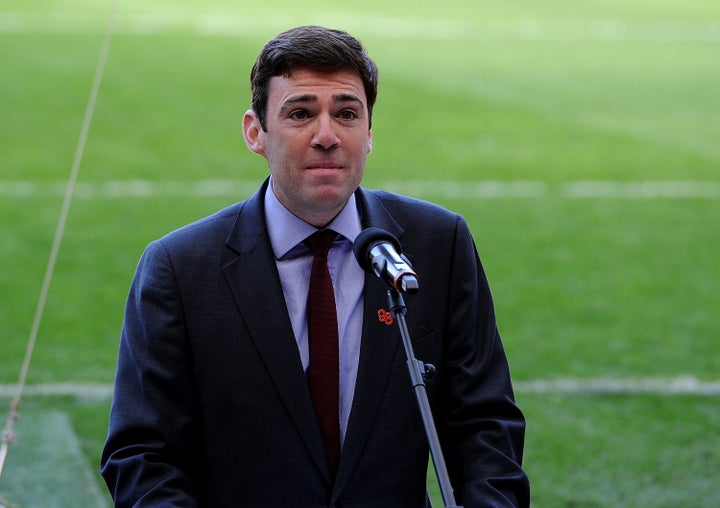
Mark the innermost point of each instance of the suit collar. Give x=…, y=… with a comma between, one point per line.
x=373, y=212
x=249, y=228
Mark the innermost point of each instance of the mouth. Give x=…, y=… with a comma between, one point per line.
x=324, y=165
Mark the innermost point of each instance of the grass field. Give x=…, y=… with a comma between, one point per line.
x=581, y=141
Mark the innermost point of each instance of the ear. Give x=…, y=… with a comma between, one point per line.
x=253, y=133
x=369, y=142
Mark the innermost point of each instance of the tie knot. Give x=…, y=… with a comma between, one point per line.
x=320, y=242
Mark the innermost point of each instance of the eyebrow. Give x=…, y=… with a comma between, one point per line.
x=301, y=99
x=347, y=97
x=309, y=98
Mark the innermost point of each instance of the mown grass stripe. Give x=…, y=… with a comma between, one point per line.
x=234, y=24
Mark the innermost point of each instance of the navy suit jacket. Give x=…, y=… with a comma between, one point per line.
x=212, y=407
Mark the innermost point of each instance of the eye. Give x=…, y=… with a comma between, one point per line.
x=348, y=114
x=298, y=114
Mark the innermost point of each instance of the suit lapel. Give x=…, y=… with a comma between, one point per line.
x=266, y=317
x=377, y=351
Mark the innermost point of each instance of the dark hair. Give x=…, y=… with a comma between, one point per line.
x=315, y=47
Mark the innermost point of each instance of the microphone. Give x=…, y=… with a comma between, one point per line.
x=378, y=252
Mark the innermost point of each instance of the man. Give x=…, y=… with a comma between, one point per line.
x=213, y=404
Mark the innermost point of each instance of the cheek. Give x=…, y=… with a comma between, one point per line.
x=276, y=155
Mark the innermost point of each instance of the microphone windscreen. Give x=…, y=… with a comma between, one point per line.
x=365, y=241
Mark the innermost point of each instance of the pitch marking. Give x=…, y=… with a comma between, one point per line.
x=487, y=189
x=680, y=385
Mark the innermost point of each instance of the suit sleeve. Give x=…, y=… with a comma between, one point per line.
x=149, y=452
x=482, y=429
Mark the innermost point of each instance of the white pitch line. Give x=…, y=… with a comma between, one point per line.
x=642, y=190
x=681, y=385
x=99, y=391
x=489, y=189
x=677, y=386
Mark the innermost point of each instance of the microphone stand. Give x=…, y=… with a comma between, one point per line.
x=419, y=373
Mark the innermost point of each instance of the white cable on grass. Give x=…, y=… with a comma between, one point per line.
x=8, y=435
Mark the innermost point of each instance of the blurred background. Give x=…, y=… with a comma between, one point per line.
x=580, y=140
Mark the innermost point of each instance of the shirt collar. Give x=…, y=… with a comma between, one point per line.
x=287, y=231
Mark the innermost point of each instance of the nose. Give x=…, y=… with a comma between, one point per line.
x=325, y=137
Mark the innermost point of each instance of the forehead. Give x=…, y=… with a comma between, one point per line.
x=318, y=84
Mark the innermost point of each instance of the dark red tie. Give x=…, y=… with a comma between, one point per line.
x=324, y=370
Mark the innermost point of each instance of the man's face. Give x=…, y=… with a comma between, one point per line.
x=316, y=142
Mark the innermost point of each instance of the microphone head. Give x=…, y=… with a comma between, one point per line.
x=366, y=240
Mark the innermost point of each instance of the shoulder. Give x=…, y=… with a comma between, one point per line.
x=206, y=231
x=412, y=213
x=392, y=199
x=199, y=240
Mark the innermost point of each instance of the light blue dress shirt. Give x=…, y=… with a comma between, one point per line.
x=294, y=262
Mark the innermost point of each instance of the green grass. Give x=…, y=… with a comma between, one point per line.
x=52, y=469
x=598, y=451
x=551, y=92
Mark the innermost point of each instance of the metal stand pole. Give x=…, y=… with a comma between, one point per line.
x=419, y=373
